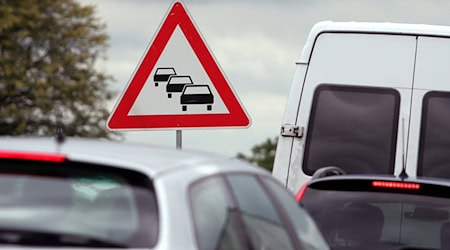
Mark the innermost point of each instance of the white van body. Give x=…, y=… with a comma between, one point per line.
x=368, y=98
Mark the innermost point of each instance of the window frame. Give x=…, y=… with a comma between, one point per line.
x=268, y=181
x=243, y=235
x=423, y=127
x=358, y=89
x=290, y=230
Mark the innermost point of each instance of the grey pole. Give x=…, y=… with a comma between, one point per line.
x=178, y=139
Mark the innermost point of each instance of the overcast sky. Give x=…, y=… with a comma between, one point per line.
x=255, y=43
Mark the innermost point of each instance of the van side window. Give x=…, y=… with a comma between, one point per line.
x=354, y=128
x=434, y=146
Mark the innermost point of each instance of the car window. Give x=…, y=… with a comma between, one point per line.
x=354, y=128
x=165, y=71
x=261, y=219
x=87, y=202
x=307, y=232
x=434, y=159
x=179, y=79
x=193, y=89
x=358, y=219
x=213, y=215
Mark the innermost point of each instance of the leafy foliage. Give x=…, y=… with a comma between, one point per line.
x=48, y=50
x=263, y=154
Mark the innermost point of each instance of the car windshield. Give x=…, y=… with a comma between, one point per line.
x=75, y=204
x=165, y=71
x=360, y=220
x=196, y=90
x=180, y=80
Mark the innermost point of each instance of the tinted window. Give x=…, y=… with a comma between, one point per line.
x=213, y=215
x=354, y=128
x=261, y=220
x=360, y=220
x=309, y=235
x=434, y=156
x=76, y=204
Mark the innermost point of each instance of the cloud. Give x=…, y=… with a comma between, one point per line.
x=256, y=43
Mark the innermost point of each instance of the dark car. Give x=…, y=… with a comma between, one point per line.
x=196, y=94
x=163, y=75
x=377, y=211
x=176, y=84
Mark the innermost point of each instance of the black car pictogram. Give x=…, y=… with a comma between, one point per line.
x=176, y=83
x=196, y=94
x=163, y=75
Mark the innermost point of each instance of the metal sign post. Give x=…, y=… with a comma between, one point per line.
x=178, y=135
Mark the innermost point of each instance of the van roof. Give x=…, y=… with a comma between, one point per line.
x=369, y=27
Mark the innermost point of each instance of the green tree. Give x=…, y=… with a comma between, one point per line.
x=263, y=154
x=48, y=50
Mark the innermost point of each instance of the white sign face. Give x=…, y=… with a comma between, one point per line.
x=177, y=66
x=178, y=84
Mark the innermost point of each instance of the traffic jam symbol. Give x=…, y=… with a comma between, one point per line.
x=178, y=84
x=191, y=93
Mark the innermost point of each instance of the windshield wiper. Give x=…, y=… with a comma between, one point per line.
x=39, y=238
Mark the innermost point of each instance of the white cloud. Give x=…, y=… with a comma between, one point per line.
x=257, y=55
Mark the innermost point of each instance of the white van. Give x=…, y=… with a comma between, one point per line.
x=368, y=98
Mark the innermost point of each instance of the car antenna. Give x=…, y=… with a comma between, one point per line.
x=403, y=173
x=59, y=126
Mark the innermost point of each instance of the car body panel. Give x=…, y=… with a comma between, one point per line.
x=151, y=159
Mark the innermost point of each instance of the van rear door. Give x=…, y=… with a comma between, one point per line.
x=429, y=139
x=356, y=94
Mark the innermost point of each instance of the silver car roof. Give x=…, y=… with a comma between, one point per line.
x=150, y=158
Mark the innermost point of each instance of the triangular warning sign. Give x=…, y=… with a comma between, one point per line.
x=161, y=96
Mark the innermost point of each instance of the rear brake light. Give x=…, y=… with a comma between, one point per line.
x=5, y=154
x=301, y=192
x=395, y=184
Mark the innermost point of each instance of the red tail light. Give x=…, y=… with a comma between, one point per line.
x=395, y=184
x=301, y=192
x=5, y=154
